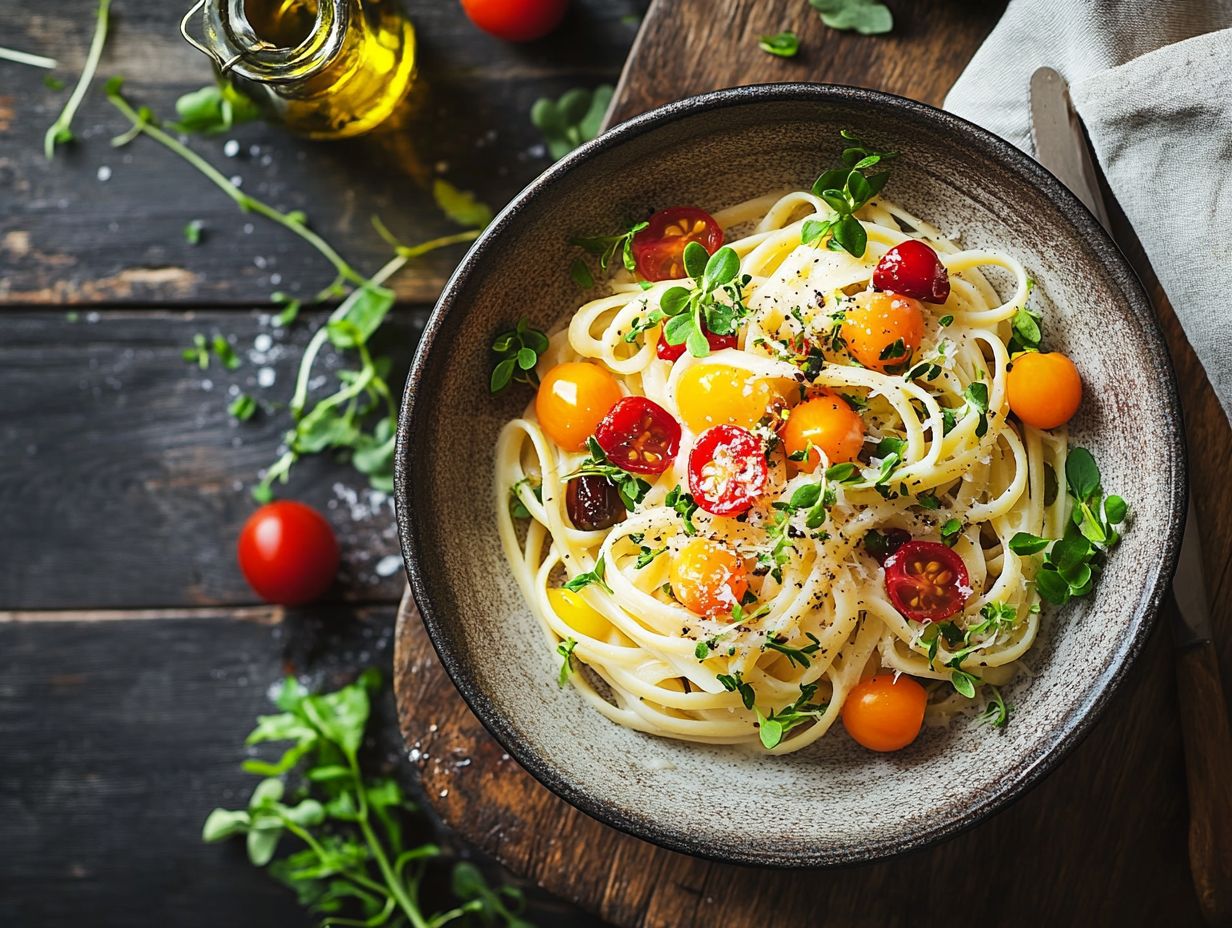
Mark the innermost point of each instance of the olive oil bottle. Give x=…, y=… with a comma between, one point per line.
x=328, y=69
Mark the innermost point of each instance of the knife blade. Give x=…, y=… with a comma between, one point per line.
x=1061, y=146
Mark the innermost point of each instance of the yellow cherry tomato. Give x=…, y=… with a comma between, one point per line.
x=1044, y=389
x=876, y=323
x=883, y=714
x=719, y=394
x=823, y=423
x=708, y=578
x=572, y=399
x=578, y=614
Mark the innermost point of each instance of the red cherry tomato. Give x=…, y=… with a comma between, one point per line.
x=913, y=269
x=516, y=20
x=927, y=582
x=288, y=553
x=727, y=470
x=673, y=352
x=639, y=435
x=659, y=248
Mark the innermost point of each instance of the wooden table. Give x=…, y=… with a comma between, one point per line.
x=132, y=656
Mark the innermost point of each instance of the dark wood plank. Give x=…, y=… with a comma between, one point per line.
x=125, y=478
x=1070, y=852
x=122, y=736
x=66, y=236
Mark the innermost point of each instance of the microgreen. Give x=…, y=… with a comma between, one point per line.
x=734, y=683
x=583, y=580
x=461, y=206
x=243, y=407
x=193, y=230
x=949, y=531
x=845, y=190
x=946, y=320
x=565, y=650
x=690, y=312
x=213, y=109
x=34, y=61
x=795, y=655
x=517, y=508
x=605, y=248
x=51, y=82
x=572, y=120
x=290, y=308
x=781, y=45
x=773, y=727
x=812, y=499
x=1026, y=334
x=964, y=682
x=997, y=712
x=684, y=506
x=867, y=17
x=517, y=352
x=353, y=857
x=631, y=489
x=647, y=555
x=61, y=131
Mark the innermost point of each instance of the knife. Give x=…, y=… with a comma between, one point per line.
x=1061, y=146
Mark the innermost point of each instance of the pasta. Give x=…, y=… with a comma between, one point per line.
x=805, y=613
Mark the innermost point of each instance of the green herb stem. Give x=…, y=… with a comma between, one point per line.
x=61, y=129
x=35, y=61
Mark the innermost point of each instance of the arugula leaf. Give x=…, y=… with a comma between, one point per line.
x=61, y=131
x=781, y=45
x=867, y=17
x=572, y=120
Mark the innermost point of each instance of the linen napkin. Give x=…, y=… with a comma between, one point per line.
x=1153, y=84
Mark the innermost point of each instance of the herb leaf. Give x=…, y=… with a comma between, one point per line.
x=517, y=352
x=867, y=17
x=782, y=44
x=565, y=650
x=845, y=191
x=583, y=580
x=572, y=120
x=213, y=109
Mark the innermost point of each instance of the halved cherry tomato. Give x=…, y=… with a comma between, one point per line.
x=708, y=578
x=883, y=330
x=673, y=352
x=727, y=470
x=288, y=553
x=926, y=581
x=1044, y=389
x=913, y=269
x=885, y=714
x=823, y=424
x=639, y=435
x=659, y=248
x=572, y=399
x=720, y=394
x=516, y=20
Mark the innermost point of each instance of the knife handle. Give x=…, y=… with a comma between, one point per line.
x=1208, y=772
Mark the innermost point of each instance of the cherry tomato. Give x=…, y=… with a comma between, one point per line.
x=1044, y=389
x=719, y=394
x=516, y=20
x=639, y=435
x=927, y=582
x=573, y=398
x=727, y=470
x=593, y=503
x=885, y=714
x=708, y=578
x=874, y=327
x=913, y=269
x=578, y=614
x=288, y=553
x=659, y=248
x=673, y=352
x=823, y=424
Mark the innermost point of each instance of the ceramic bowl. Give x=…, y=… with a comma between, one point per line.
x=834, y=803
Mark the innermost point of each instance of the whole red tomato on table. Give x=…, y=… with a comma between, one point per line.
x=288, y=553
x=516, y=20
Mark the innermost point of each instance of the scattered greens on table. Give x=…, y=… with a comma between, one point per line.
x=572, y=120
x=867, y=17
x=335, y=832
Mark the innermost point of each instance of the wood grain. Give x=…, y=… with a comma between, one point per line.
x=67, y=235
x=1101, y=841
x=125, y=478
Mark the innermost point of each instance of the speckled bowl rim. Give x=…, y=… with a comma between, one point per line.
x=444, y=321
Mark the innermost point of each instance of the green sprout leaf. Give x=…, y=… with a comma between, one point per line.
x=781, y=45
x=867, y=17
x=572, y=120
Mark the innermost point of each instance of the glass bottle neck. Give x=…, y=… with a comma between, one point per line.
x=291, y=42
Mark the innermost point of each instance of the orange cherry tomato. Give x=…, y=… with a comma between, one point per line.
x=719, y=394
x=823, y=424
x=883, y=330
x=1044, y=389
x=885, y=715
x=658, y=249
x=708, y=578
x=572, y=400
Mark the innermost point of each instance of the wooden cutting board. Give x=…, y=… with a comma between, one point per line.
x=1101, y=841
